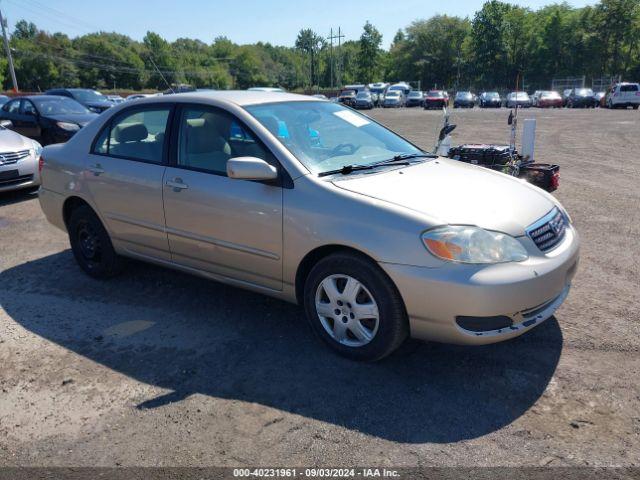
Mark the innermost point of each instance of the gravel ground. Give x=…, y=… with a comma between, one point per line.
x=160, y=368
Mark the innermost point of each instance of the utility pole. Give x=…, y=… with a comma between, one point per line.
x=8, y=50
x=333, y=37
x=331, y=57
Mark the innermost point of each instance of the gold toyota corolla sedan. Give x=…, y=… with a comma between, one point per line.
x=311, y=202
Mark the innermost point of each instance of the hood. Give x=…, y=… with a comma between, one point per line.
x=12, y=141
x=449, y=191
x=80, y=118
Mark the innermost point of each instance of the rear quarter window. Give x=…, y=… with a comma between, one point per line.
x=629, y=88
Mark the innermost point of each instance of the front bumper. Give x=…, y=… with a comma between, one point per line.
x=22, y=174
x=528, y=293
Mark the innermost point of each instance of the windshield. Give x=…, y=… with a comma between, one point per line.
x=88, y=96
x=393, y=93
x=463, y=95
x=59, y=106
x=492, y=95
x=550, y=95
x=415, y=94
x=584, y=92
x=377, y=90
x=325, y=136
x=363, y=95
x=435, y=95
x=347, y=93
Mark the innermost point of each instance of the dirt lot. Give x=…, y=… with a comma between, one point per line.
x=159, y=368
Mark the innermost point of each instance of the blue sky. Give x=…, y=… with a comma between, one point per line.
x=247, y=21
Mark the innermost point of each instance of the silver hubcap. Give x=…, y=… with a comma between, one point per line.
x=347, y=310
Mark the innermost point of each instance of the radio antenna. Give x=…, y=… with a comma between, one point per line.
x=160, y=72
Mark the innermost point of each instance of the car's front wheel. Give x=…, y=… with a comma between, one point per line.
x=91, y=244
x=354, y=307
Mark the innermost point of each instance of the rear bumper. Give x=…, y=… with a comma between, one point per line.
x=550, y=104
x=24, y=174
x=51, y=204
x=528, y=293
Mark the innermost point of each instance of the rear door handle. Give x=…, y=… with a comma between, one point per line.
x=176, y=184
x=96, y=169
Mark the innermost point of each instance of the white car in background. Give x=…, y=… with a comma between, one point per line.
x=624, y=95
x=19, y=158
x=116, y=99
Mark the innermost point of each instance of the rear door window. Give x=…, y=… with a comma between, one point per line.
x=136, y=134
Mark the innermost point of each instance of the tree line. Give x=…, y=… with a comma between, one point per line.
x=501, y=44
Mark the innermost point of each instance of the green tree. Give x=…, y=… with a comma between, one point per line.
x=489, y=49
x=310, y=43
x=369, y=54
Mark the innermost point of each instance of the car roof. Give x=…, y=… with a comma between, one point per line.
x=238, y=97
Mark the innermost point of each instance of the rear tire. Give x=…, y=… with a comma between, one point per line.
x=354, y=307
x=91, y=245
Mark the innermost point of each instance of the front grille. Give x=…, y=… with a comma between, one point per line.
x=549, y=231
x=7, y=158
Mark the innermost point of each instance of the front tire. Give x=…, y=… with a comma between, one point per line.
x=354, y=307
x=91, y=245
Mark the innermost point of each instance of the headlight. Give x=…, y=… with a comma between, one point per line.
x=37, y=149
x=466, y=244
x=565, y=213
x=70, y=127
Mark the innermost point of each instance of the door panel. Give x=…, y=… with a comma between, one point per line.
x=228, y=227
x=30, y=122
x=128, y=195
x=125, y=177
x=217, y=224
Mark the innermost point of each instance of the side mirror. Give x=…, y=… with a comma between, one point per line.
x=446, y=130
x=250, y=168
x=6, y=124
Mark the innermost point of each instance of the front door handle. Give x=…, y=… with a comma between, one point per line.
x=176, y=184
x=96, y=169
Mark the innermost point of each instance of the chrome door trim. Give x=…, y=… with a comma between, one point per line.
x=138, y=223
x=222, y=243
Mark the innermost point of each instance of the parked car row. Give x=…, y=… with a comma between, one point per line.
x=401, y=94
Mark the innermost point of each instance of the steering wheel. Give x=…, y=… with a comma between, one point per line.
x=344, y=149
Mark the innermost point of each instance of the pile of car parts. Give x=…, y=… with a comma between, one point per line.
x=501, y=158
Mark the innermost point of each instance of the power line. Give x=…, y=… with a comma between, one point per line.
x=113, y=68
x=64, y=14
x=113, y=59
x=48, y=17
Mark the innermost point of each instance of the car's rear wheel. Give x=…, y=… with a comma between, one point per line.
x=354, y=307
x=91, y=245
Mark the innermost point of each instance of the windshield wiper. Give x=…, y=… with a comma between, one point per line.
x=347, y=169
x=401, y=159
x=408, y=156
